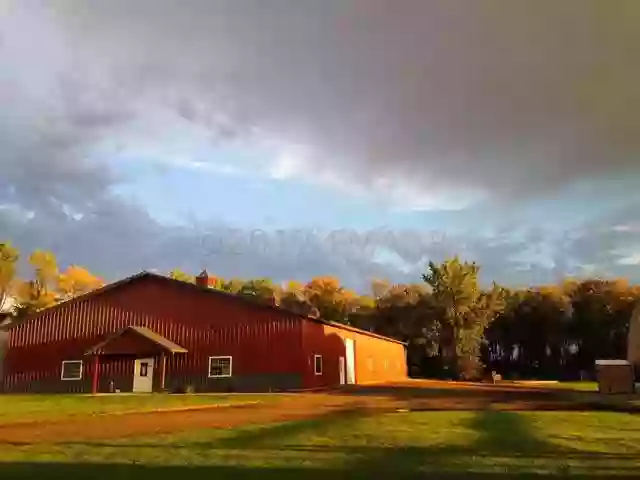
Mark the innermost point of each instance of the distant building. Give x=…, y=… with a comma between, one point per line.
x=152, y=333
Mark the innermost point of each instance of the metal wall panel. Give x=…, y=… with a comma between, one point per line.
x=376, y=359
x=4, y=343
x=261, y=340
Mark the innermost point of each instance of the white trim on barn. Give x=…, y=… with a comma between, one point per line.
x=222, y=365
x=71, y=362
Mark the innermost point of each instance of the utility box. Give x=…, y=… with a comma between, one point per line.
x=615, y=376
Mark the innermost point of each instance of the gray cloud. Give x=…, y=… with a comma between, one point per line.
x=513, y=98
x=117, y=240
x=509, y=98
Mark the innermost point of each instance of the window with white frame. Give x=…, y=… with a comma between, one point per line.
x=219, y=367
x=71, y=370
x=317, y=364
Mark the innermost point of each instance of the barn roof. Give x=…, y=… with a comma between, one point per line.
x=211, y=291
x=155, y=338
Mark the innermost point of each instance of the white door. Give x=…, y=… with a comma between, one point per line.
x=351, y=363
x=143, y=375
x=343, y=379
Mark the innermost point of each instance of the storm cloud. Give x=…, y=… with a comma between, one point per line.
x=433, y=101
x=503, y=98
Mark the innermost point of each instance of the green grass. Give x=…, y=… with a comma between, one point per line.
x=21, y=408
x=588, y=391
x=581, y=386
x=488, y=444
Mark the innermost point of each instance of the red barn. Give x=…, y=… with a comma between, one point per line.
x=152, y=333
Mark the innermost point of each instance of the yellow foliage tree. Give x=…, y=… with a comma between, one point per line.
x=233, y=285
x=32, y=297
x=262, y=289
x=41, y=292
x=333, y=301
x=8, y=259
x=46, y=269
x=76, y=280
x=293, y=298
x=178, y=274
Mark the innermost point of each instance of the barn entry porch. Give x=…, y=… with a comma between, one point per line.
x=149, y=351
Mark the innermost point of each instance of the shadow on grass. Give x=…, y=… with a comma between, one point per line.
x=506, y=447
x=487, y=392
x=481, y=396
x=264, y=437
x=507, y=433
x=504, y=438
x=267, y=436
x=116, y=472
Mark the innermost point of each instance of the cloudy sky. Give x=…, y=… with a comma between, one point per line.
x=291, y=138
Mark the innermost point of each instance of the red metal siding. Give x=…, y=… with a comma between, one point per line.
x=376, y=359
x=260, y=340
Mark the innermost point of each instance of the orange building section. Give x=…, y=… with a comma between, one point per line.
x=375, y=359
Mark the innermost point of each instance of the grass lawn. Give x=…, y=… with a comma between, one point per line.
x=485, y=444
x=581, y=386
x=21, y=408
x=589, y=391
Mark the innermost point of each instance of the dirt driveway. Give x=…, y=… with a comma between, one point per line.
x=410, y=395
x=286, y=408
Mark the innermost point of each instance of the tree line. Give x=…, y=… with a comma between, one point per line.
x=456, y=329
x=453, y=327
x=46, y=286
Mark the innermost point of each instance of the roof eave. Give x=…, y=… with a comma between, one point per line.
x=173, y=348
